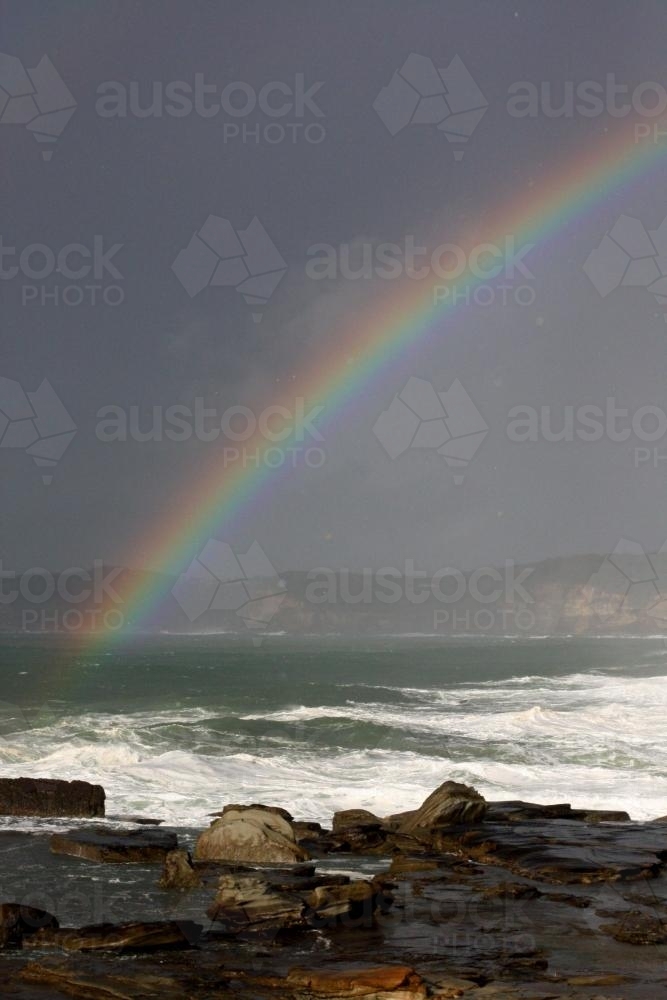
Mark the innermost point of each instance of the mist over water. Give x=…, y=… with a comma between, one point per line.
x=177, y=727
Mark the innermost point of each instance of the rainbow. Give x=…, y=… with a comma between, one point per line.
x=366, y=347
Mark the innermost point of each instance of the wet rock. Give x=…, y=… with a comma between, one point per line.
x=130, y=937
x=401, y=864
x=139, y=820
x=516, y=811
x=512, y=890
x=451, y=803
x=602, y=815
x=253, y=833
x=396, y=820
x=278, y=810
x=269, y=900
x=603, y=979
x=510, y=906
x=317, y=840
x=146, y=845
x=346, y=904
x=249, y=902
x=522, y=965
x=354, y=818
x=569, y=899
x=62, y=980
x=179, y=872
x=50, y=797
x=307, y=830
x=451, y=987
x=637, y=927
x=354, y=831
x=572, y=853
x=397, y=981
x=16, y=921
x=366, y=839
x=300, y=878
x=287, y=877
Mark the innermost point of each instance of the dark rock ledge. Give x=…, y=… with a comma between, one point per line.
x=50, y=797
x=487, y=901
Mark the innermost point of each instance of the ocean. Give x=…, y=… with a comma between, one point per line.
x=174, y=727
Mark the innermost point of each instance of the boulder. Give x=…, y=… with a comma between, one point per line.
x=345, y=904
x=359, y=840
x=179, y=872
x=278, y=810
x=318, y=841
x=354, y=817
x=50, y=797
x=308, y=830
x=250, y=902
x=16, y=921
x=271, y=899
x=144, y=846
x=358, y=831
x=396, y=820
x=131, y=937
x=450, y=804
x=253, y=833
x=292, y=878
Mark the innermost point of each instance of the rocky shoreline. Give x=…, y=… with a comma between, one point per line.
x=486, y=900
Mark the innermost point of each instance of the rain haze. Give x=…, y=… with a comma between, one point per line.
x=313, y=158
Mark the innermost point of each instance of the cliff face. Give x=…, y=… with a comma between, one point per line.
x=579, y=595
x=569, y=596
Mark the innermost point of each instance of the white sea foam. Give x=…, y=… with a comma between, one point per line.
x=591, y=739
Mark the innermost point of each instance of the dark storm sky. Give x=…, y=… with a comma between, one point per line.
x=149, y=183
